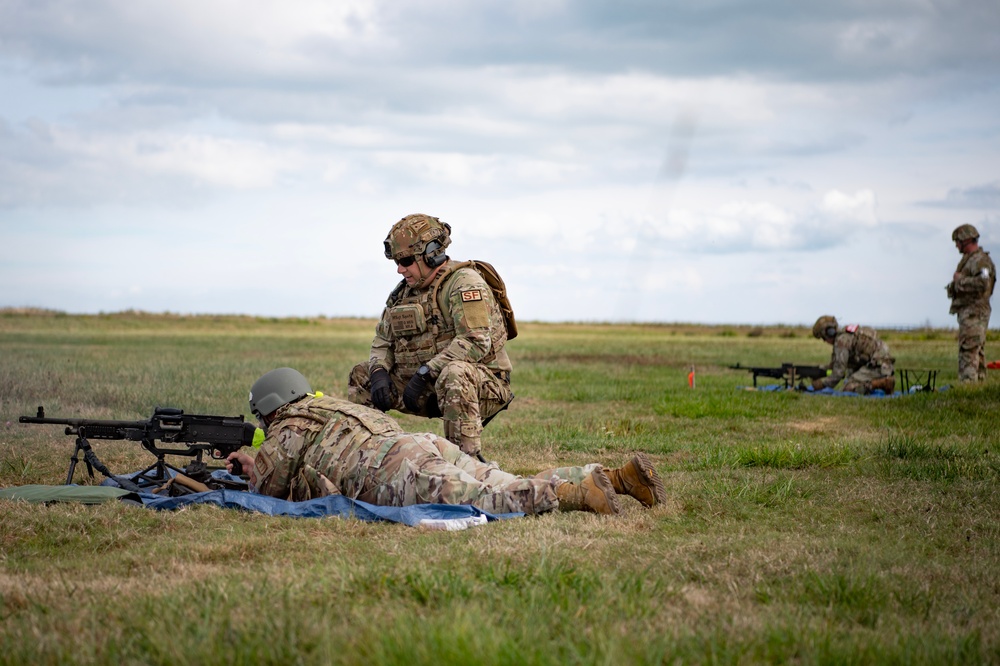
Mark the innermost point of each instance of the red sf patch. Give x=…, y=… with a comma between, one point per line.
x=851, y=328
x=472, y=295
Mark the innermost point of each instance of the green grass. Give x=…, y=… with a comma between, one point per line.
x=798, y=528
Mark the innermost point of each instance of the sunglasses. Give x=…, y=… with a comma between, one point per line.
x=406, y=261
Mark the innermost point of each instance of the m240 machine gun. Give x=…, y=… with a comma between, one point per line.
x=787, y=372
x=168, y=432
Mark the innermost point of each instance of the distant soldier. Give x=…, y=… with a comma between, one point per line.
x=318, y=445
x=970, y=291
x=856, y=350
x=439, y=346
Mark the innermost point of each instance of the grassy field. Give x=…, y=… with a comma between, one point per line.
x=799, y=529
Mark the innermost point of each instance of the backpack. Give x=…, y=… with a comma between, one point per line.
x=499, y=289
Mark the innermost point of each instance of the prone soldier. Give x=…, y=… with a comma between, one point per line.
x=319, y=445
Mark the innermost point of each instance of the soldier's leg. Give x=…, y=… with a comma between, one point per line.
x=860, y=381
x=458, y=388
x=588, y=488
x=414, y=471
x=971, y=340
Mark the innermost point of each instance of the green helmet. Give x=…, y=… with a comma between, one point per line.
x=276, y=389
x=825, y=327
x=964, y=233
x=416, y=235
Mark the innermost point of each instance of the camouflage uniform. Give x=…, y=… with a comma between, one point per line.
x=970, y=300
x=455, y=327
x=320, y=446
x=858, y=350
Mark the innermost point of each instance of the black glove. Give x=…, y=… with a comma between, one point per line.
x=381, y=389
x=414, y=395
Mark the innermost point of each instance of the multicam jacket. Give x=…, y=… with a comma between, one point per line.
x=974, y=288
x=321, y=446
x=455, y=318
x=853, y=348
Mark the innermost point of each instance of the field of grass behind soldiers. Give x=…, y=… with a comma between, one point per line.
x=798, y=528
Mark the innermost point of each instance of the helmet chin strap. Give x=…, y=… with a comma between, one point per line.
x=425, y=277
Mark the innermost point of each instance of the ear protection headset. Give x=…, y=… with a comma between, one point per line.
x=830, y=331
x=434, y=260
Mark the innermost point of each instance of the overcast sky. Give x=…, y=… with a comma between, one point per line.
x=700, y=161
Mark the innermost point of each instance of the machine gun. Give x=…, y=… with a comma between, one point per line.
x=192, y=435
x=788, y=372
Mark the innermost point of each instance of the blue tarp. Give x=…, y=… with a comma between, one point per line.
x=333, y=505
x=877, y=393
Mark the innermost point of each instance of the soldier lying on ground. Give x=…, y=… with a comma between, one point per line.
x=318, y=445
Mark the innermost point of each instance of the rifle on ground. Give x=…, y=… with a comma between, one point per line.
x=193, y=435
x=788, y=372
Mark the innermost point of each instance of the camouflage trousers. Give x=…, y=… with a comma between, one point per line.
x=972, y=326
x=428, y=469
x=465, y=393
x=860, y=381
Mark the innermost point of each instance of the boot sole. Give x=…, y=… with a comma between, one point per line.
x=649, y=477
x=603, y=484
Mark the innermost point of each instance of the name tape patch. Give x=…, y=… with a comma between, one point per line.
x=472, y=295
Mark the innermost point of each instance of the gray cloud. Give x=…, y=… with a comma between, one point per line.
x=985, y=196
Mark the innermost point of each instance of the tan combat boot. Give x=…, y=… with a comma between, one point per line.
x=887, y=384
x=639, y=479
x=593, y=494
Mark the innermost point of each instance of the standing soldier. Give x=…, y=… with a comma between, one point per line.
x=439, y=346
x=856, y=350
x=970, y=291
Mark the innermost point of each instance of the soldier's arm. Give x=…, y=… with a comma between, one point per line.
x=469, y=303
x=838, y=364
x=975, y=278
x=273, y=468
x=381, y=352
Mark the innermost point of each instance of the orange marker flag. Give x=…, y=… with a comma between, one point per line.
x=691, y=377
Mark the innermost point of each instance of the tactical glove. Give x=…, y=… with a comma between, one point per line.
x=414, y=394
x=818, y=385
x=381, y=387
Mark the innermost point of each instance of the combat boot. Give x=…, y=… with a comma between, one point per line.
x=639, y=479
x=887, y=384
x=593, y=494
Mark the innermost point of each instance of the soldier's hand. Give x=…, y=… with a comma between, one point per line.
x=414, y=391
x=818, y=385
x=381, y=387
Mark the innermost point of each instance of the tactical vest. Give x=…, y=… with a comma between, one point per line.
x=422, y=325
x=981, y=259
x=867, y=348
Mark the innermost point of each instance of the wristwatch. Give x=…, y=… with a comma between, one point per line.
x=424, y=373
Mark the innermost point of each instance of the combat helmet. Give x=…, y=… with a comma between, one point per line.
x=276, y=389
x=964, y=233
x=416, y=235
x=825, y=327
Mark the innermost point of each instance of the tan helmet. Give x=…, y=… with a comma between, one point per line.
x=419, y=235
x=825, y=327
x=964, y=233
